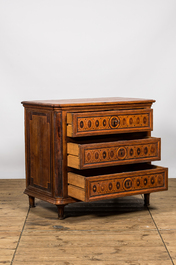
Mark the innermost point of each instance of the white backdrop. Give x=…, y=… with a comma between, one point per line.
x=75, y=49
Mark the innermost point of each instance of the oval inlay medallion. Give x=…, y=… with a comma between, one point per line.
x=145, y=120
x=138, y=182
x=102, y=187
x=160, y=180
x=96, y=155
x=104, y=154
x=97, y=123
x=89, y=123
x=111, y=153
x=124, y=121
x=131, y=121
x=152, y=180
x=110, y=186
x=137, y=120
x=145, y=150
x=131, y=151
x=94, y=188
x=88, y=156
x=152, y=149
x=145, y=181
x=118, y=185
x=138, y=151
x=81, y=124
x=104, y=122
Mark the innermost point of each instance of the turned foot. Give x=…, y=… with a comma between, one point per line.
x=31, y=202
x=147, y=199
x=60, y=209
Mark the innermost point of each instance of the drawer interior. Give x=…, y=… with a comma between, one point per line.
x=107, y=138
x=114, y=170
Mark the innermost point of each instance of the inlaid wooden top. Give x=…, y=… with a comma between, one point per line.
x=110, y=101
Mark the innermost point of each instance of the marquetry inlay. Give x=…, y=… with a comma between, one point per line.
x=118, y=185
x=91, y=149
x=124, y=121
x=115, y=153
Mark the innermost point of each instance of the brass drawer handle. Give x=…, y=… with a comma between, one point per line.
x=114, y=122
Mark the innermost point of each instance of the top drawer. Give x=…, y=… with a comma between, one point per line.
x=109, y=122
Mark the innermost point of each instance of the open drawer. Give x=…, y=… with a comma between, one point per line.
x=109, y=122
x=92, y=155
x=128, y=180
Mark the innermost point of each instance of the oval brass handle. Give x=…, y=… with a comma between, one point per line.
x=114, y=122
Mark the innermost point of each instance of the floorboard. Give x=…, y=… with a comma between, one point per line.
x=119, y=231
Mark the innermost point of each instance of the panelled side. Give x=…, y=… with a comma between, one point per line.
x=38, y=127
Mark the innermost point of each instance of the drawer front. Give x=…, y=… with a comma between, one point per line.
x=109, y=122
x=114, y=153
x=117, y=185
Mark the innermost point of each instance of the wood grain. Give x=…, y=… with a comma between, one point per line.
x=92, y=155
x=117, y=185
x=109, y=122
x=85, y=102
x=120, y=129
x=109, y=232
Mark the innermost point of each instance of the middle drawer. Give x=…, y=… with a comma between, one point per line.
x=92, y=155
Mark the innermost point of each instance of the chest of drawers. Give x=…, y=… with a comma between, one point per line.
x=91, y=149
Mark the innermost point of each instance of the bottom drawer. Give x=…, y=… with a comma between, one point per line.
x=136, y=179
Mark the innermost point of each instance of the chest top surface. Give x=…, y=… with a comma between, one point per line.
x=89, y=102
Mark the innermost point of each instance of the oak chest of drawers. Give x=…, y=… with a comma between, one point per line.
x=91, y=149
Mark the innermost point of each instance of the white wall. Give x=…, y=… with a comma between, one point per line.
x=74, y=49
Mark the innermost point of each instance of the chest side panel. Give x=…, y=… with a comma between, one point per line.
x=38, y=148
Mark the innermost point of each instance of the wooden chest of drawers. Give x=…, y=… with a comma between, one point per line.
x=91, y=149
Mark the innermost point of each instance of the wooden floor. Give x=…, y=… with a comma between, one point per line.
x=119, y=231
